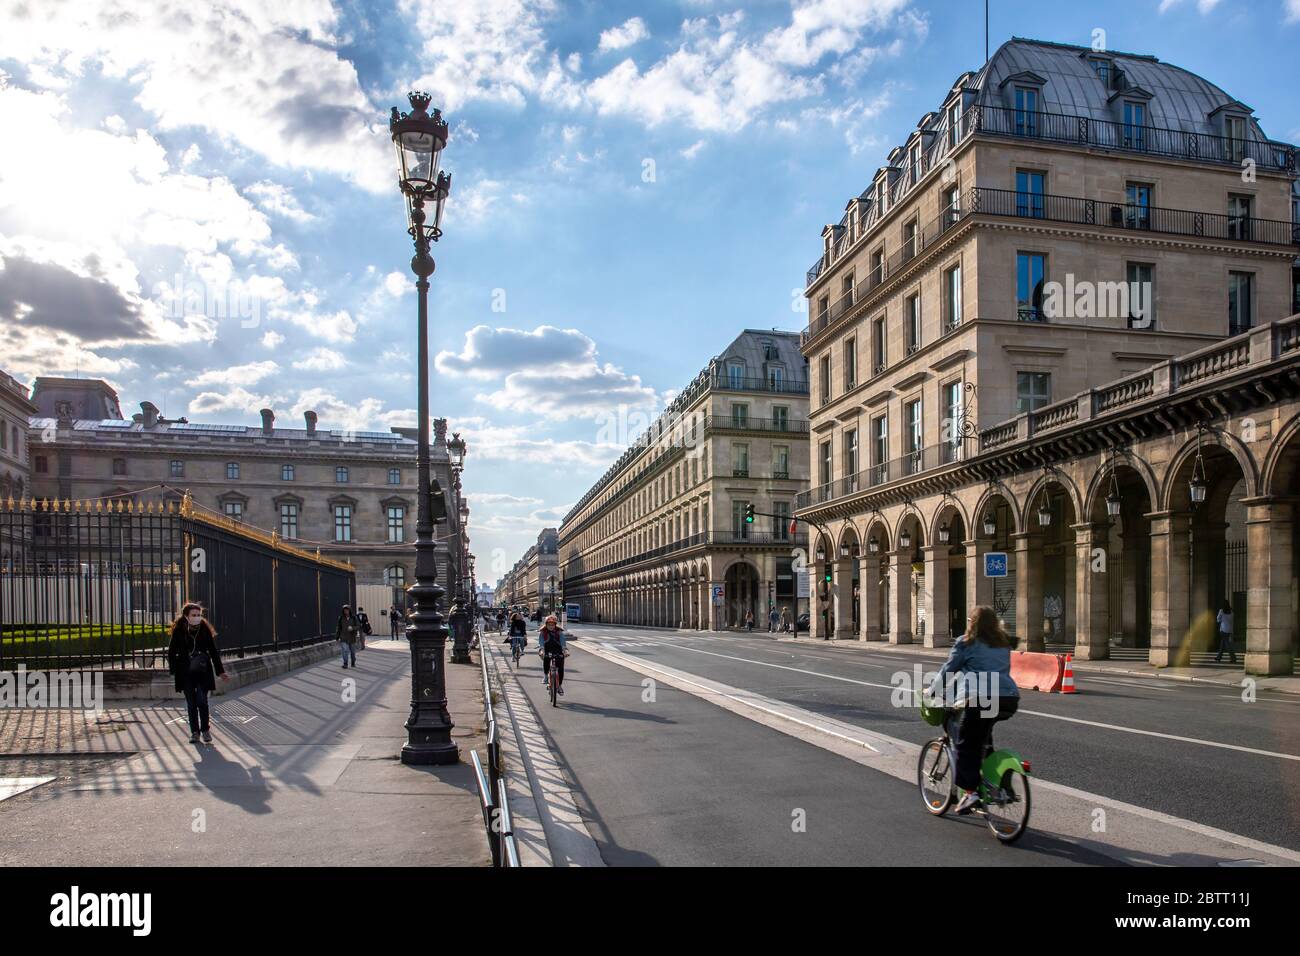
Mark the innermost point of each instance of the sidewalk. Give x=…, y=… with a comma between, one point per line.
x=304, y=771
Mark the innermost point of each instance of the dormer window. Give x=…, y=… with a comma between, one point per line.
x=1234, y=129
x=1026, y=111
x=914, y=163
x=954, y=121
x=1102, y=67
x=1135, y=121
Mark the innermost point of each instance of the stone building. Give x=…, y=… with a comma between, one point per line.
x=15, y=459
x=1022, y=318
x=664, y=529
x=351, y=494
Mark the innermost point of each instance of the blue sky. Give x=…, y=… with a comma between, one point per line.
x=197, y=200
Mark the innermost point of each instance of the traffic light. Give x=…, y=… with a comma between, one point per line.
x=827, y=579
x=749, y=514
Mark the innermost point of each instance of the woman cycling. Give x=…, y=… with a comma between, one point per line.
x=518, y=633
x=982, y=654
x=551, y=639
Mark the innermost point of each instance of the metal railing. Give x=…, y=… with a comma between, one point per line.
x=577, y=572
x=1136, y=218
x=750, y=383
x=909, y=465
x=791, y=426
x=85, y=586
x=493, y=798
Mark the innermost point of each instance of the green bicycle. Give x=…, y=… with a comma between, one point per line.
x=1004, y=779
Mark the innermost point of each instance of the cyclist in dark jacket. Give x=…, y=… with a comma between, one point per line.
x=518, y=633
x=551, y=639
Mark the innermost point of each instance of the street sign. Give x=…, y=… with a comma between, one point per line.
x=995, y=564
x=717, y=593
x=573, y=612
x=803, y=581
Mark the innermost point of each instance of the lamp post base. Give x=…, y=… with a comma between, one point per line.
x=431, y=754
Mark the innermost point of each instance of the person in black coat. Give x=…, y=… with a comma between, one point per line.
x=347, y=633
x=195, y=662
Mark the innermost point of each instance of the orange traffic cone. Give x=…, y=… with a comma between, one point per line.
x=1067, y=679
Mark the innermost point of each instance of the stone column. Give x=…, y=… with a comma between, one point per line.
x=1029, y=589
x=1170, y=581
x=842, y=599
x=938, y=629
x=869, y=597
x=815, y=626
x=979, y=589
x=1091, y=587
x=1269, y=618
x=900, y=593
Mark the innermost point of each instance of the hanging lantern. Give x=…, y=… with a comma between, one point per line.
x=905, y=540
x=944, y=533
x=873, y=544
x=1197, y=484
x=990, y=524
x=1045, y=514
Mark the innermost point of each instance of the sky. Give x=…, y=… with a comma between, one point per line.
x=198, y=200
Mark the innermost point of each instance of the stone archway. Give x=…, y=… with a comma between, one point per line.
x=740, y=594
x=945, y=575
x=1113, y=563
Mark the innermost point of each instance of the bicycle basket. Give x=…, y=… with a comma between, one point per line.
x=930, y=714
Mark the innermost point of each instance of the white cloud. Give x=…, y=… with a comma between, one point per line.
x=1292, y=10
x=1202, y=6
x=272, y=340
x=617, y=38
x=367, y=414
x=489, y=352
x=278, y=200
x=265, y=75
x=249, y=374
x=321, y=360
x=690, y=152
x=235, y=399
x=595, y=392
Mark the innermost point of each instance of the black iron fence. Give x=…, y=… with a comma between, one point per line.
x=98, y=585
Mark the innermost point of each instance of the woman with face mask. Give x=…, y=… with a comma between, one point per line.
x=193, y=659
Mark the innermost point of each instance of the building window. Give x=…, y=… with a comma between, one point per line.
x=781, y=520
x=954, y=123
x=1026, y=111
x=951, y=206
x=342, y=522
x=913, y=435
x=1030, y=187
x=952, y=298
x=1141, y=296
x=286, y=472
x=909, y=240
x=1235, y=127
x=41, y=464
x=1033, y=391
x=394, y=476
x=780, y=461
x=914, y=164
x=824, y=464
x=736, y=375
x=775, y=380
x=877, y=267
x=912, y=322
x=1239, y=213
x=288, y=521
x=879, y=447
x=341, y=473
x=233, y=509
x=119, y=466
x=825, y=378
x=1137, y=215
x=1031, y=270
x=739, y=460
x=396, y=524
x=879, y=352
x=395, y=576
x=851, y=454
x=850, y=364
x=1102, y=69
x=1241, y=288
x=780, y=418
x=846, y=292
x=739, y=415
x=953, y=423
x=232, y=470
x=177, y=468
x=1135, y=121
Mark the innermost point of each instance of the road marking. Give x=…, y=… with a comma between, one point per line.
x=12, y=786
x=1035, y=713
x=898, y=759
x=1123, y=683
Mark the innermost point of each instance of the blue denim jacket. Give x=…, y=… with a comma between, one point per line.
x=975, y=657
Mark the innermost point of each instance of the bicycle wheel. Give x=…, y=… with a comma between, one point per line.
x=553, y=683
x=1006, y=807
x=934, y=778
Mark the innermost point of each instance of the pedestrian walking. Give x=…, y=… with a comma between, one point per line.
x=1224, y=621
x=785, y=620
x=346, y=634
x=749, y=621
x=395, y=622
x=193, y=659
x=363, y=627
x=773, y=618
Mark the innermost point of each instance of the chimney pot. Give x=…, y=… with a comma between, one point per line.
x=310, y=416
x=149, y=414
x=268, y=421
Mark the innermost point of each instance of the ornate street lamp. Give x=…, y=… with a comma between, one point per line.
x=873, y=544
x=1197, y=484
x=990, y=524
x=1045, y=513
x=904, y=540
x=419, y=139
x=945, y=533
x=844, y=550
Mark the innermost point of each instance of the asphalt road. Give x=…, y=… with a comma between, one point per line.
x=677, y=781
x=681, y=781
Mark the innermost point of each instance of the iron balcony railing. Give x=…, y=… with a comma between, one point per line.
x=790, y=426
x=745, y=538
x=1129, y=137
x=1133, y=217
x=909, y=465
x=750, y=383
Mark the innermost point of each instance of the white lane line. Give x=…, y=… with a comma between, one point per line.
x=900, y=761
x=1122, y=683
x=1035, y=713
x=12, y=786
